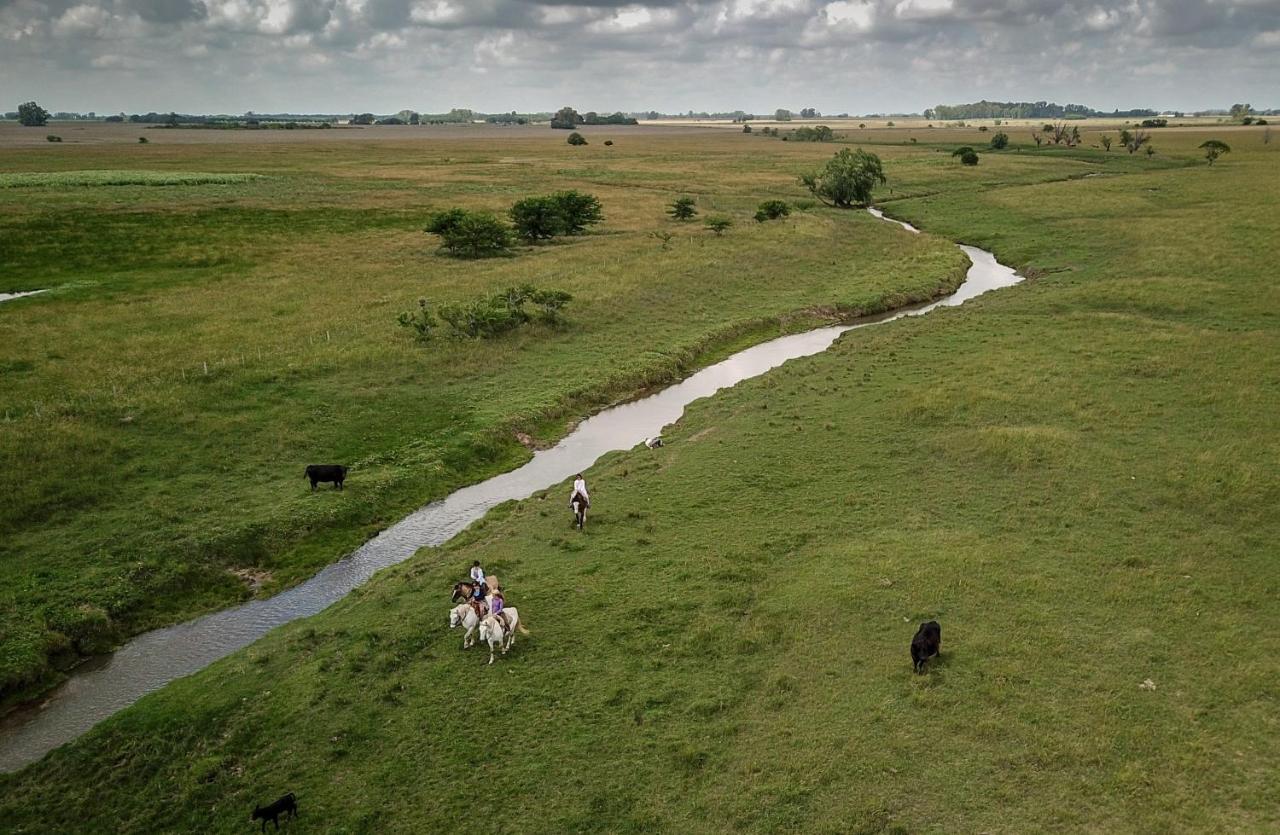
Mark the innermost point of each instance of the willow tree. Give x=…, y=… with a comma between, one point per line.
x=847, y=179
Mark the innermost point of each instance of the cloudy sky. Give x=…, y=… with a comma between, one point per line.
x=858, y=56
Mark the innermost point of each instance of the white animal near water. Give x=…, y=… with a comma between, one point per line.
x=465, y=615
x=498, y=638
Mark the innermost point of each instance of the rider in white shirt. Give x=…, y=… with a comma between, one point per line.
x=477, y=573
x=580, y=486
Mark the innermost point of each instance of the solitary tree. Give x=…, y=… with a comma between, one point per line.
x=847, y=179
x=32, y=115
x=1000, y=141
x=718, y=224
x=576, y=138
x=1239, y=111
x=1135, y=140
x=1214, y=148
x=1038, y=137
x=782, y=115
x=566, y=118
x=1105, y=139
x=683, y=208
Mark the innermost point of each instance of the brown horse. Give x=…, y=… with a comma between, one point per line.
x=464, y=590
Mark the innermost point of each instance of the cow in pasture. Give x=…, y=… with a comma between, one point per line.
x=926, y=644
x=272, y=812
x=326, y=472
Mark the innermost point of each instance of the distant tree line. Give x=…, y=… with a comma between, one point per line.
x=1023, y=110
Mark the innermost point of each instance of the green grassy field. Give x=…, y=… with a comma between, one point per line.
x=208, y=335
x=1075, y=476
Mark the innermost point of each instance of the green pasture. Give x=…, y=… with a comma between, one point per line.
x=1075, y=476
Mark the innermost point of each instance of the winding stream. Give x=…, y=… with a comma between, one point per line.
x=103, y=686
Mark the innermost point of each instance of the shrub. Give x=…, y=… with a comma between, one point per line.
x=967, y=155
x=982, y=129
x=52, y=138
x=142, y=140
x=608, y=142
x=683, y=208
x=772, y=210
x=537, y=218
x=577, y=211
x=718, y=224
x=576, y=138
x=889, y=124
x=746, y=128
x=847, y=179
x=466, y=234
x=489, y=316
x=422, y=321
x=1000, y=141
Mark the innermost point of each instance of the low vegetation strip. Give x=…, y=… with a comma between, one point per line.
x=57, y=179
x=1071, y=477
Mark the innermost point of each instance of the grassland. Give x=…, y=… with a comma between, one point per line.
x=208, y=335
x=1075, y=476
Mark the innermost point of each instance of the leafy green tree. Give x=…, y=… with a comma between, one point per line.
x=577, y=211
x=967, y=155
x=782, y=115
x=1239, y=111
x=467, y=234
x=576, y=138
x=1000, y=141
x=718, y=224
x=1134, y=140
x=683, y=208
x=537, y=218
x=847, y=179
x=32, y=115
x=1215, y=148
x=566, y=118
x=772, y=210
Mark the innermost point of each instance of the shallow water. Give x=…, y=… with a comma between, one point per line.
x=6, y=297
x=103, y=686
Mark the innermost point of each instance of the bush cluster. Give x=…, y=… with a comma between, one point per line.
x=819, y=133
x=967, y=155
x=1000, y=141
x=562, y=213
x=488, y=316
x=772, y=210
x=477, y=234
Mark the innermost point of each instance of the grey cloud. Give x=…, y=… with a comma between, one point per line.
x=534, y=54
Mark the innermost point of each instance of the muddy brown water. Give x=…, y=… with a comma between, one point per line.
x=105, y=685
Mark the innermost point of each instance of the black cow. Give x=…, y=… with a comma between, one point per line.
x=926, y=644
x=326, y=472
x=272, y=813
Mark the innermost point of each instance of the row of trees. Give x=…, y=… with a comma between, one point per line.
x=566, y=118
x=1023, y=110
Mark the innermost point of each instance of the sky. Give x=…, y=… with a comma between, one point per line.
x=855, y=56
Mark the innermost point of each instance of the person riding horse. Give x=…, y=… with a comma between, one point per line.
x=495, y=609
x=579, y=496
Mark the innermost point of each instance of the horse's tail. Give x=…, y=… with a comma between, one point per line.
x=520, y=626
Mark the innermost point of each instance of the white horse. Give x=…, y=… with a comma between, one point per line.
x=465, y=615
x=498, y=638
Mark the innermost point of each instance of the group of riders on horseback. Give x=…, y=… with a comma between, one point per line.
x=483, y=604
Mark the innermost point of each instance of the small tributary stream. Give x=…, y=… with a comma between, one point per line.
x=99, y=688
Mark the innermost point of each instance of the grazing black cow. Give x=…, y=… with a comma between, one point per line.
x=926, y=644
x=272, y=813
x=326, y=472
